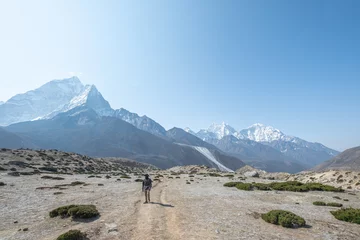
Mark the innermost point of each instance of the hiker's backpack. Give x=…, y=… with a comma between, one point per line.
x=147, y=182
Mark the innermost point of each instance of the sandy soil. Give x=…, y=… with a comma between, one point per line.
x=203, y=209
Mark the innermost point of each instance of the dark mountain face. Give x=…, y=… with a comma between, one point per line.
x=303, y=154
x=258, y=155
x=83, y=131
x=12, y=140
x=347, y=160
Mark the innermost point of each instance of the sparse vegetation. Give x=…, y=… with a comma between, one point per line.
x=331, y=204
x=319, y=203
x=72, y=235
x=214, y=175
x=243, y=186
x=75, y=211
x=292, y=186
x=284, y=218
x=49, y=169
x=348, y=215
x=53, y=178
x=334, y=204
x=125, y=176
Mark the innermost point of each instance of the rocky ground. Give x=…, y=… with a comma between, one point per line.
x=187, y=202
x=203, y=209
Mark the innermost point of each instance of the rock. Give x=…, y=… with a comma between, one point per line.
x=251, y=174
x=112, y=230
x=217, y=231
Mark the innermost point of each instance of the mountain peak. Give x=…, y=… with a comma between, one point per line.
x=261, y=133
x=188, y=130
x=221, y=130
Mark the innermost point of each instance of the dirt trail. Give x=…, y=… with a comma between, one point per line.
x=156, y=220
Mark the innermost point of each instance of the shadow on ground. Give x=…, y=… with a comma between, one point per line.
x=162, y=204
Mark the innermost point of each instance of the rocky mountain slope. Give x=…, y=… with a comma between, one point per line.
x=347, y=160
x=306, y=154
x=84, y=131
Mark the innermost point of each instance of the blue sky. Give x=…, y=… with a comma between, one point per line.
x=294, y=65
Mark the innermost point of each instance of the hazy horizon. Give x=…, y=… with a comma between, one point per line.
x=291, y=65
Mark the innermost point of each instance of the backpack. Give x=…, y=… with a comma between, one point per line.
x=147, y=182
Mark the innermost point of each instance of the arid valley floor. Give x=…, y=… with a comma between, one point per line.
x=204, y=209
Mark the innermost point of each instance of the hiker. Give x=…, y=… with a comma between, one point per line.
x=146, y=187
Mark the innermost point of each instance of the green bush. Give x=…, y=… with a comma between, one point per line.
x=348, y=215
x=138, y=180
x=318, y=203
x=231, y=184
x=244, y=186
x=75, y=211
x=72, y=235
x=262, y=186
x=292, y=186
x=214, y=175
x=284, y=218
x=334, y=204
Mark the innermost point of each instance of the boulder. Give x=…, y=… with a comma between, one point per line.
x=251, y=174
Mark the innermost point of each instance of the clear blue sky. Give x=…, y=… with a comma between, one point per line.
x=294, y=65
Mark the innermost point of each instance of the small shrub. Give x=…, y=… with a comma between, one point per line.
x=72, y=235
x=346, y=200
x=262, y=186
x=58, y=193
x=336, y=197
x=214, y=175
x=188, y=183
x=49, y=169
x=53, y=178
x=229, y=175
x=14, y=174
x=231, y=184
x=2, y=184
x=348, y=215
x=75, y=211
x=2, y=169
x=334, y=204
x=138, y=180
x=244, y=186
x=91, y=176
x=76, y=183
x=125, y=176
x=284, y=218
x=319, y=203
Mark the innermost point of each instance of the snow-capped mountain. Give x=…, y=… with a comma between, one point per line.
x=260, y=133
x=39, y=102
x=89, y=97
x=144, y=123
x=60, y=96
x=296, y=148
x=221, y=130
x=217, y=131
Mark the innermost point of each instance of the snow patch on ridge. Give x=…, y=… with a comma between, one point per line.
x=208, y=155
